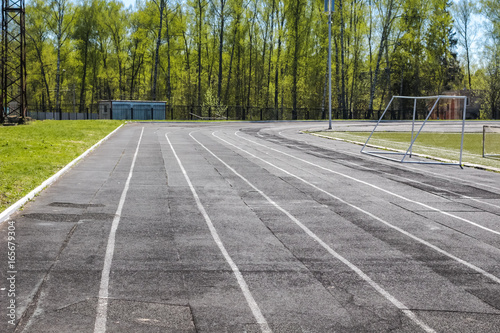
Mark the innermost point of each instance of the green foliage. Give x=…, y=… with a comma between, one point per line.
x=212, y=106
x=268, y=53
x=491, y=103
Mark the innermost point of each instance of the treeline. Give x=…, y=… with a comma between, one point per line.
x=266, y=54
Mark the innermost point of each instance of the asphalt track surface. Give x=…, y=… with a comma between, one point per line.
x=253, y=227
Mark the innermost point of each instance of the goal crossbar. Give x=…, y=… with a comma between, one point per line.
x=415, y=132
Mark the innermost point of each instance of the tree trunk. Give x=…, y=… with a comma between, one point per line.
x=42, y=70
x=235, y=35
x=342, y=57
x=168, y=83
x=221, y=44
x=337, y=74
x=188, y=69
x=383, y=41
x=468, y=62
x=250, y=33
x=84, y=76
x=95, y=79
x=157, y=51
x=200, y=27
x=370, y=111
x=295, y=62
x=271, y=48
x=276, y=75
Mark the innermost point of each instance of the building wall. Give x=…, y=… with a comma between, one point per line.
x=132, y=110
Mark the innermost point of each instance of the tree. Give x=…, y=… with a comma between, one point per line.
x=252, y=53
x=221, y=9
x=161, y=8
x=491, y=106
x=235, y=41
x=85, y=32
x=116, y=21
x=137, y=50
x=295, y=17
x=37, y=32
x=62, y=15
x=388, y=10
x=438, y=47
x=200, y=31
x=463, y=11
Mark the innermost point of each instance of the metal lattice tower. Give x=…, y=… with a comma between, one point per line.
x=13, y=61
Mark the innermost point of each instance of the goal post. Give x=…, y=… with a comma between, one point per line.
x=491, y=141
x=404, y=154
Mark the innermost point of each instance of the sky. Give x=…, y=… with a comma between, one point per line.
x=128, y=3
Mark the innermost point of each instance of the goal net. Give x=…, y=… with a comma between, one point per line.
x=424, y=130
x=491, y=141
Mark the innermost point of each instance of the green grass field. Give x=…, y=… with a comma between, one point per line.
x=439, y=145
x=29, y=154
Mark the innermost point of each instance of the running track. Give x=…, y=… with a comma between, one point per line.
x=254, y=227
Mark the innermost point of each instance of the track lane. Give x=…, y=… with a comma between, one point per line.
x=426, y=203
x=475, y=177
x=483, y=271
x=398, y=304
x=282, y=286
x=167, y=271
x=381, y=189
x=257, y=313
x=268, y=156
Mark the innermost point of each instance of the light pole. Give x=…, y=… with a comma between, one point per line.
x=329, y=9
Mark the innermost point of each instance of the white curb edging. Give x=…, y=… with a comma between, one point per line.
x=10, y=210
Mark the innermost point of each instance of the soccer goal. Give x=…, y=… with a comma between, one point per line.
x=491, y=141
x=420, y=122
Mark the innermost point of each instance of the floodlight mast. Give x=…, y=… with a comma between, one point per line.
x=329, y=9
x=13, y=61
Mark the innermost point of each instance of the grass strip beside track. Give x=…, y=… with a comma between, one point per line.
x=31, y=153
x=436, y=144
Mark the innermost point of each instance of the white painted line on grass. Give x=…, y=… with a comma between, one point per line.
x=102, y=304
x=254, y=307
x=376, y=187
x=398, y=304
x=13, y=208
x=404, y=232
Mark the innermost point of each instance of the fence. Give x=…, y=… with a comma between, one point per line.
x=249, y=113
x=42, y=115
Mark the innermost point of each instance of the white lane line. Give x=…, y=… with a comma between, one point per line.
x=102, y=304
x=401, y=177
x=474, y=183
x=398, y=304
x=425, y=184
x=417, y=182
x=404, y=232
x=376, y=187
x=254, y=307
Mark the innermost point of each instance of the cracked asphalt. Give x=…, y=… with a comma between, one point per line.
x=252, y=227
